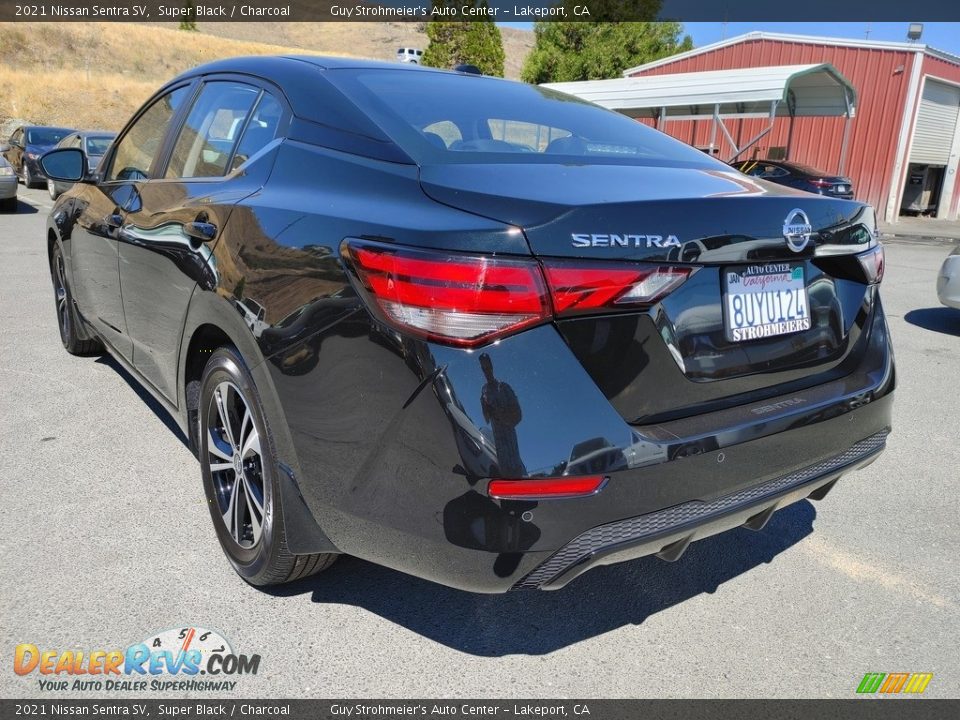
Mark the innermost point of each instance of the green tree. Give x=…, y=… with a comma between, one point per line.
x=566, y=51
x=477, y=42
x=189, y=21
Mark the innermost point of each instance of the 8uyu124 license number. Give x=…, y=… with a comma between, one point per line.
x=761, y=301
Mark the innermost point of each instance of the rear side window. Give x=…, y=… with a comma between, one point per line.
x=261, y=129
x=139, y=146
x=211, y=131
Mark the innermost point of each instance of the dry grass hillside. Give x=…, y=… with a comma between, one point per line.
x=95, y=75
x=377, y=40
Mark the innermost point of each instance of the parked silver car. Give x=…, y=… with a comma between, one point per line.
x=93, y=142
x=8, y=186
x=948, y=281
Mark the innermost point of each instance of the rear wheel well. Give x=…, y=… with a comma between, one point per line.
x=203, y=342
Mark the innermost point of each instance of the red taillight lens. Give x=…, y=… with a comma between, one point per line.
x=873, y=264
x=545, y=488
x=821, y=183
x=460, y=299
x=469, y=300
x=577, y=287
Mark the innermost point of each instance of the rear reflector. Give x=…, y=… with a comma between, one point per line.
x=581, y=288
x=463, y=300
x=564, y=487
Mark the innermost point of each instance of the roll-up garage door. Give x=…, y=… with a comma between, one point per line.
x=936, y=122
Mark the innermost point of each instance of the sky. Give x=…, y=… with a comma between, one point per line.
x=942, y=35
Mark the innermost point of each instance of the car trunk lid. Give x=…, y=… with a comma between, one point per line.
x=681, y=355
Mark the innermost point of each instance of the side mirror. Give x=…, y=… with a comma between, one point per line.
x=64, y=164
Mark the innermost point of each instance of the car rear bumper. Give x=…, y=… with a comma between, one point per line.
x=667, y=533
x=8, y=187
x=948, y=282
x=393, y=456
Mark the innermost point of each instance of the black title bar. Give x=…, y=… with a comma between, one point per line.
x=471, y=10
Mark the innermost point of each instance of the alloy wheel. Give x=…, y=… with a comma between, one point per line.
x=60, y=289
x=236, y=464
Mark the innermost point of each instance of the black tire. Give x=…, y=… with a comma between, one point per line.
x=66, y=317
x=9, y=204
x=28, y=177
x=240, y=477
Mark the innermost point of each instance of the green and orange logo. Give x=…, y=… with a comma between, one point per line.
x=894, y=683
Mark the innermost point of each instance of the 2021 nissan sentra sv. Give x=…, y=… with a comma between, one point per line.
x=475, y=330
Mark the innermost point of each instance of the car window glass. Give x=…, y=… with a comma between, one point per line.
x=211, y=130
x=97, y=145
x=525, y=135
x=261, y=129
x=45, y=136
x=445, y=130
x=532, y=124
x=137, y=149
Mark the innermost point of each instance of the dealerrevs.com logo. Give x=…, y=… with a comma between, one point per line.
x=180, y=659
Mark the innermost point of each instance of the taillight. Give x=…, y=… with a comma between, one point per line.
x=544, y=488
x=578, y=287
x=463, y=300
x=822, y=184
x=470, y=300
x=872, y=262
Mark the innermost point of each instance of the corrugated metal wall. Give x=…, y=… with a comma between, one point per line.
x=881, y=79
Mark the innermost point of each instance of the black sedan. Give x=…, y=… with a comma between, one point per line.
x=475, y=330
x=25, y=146
x=801, y=177
x=94, y=144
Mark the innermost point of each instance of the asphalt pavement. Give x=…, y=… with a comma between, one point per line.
x=106, y=540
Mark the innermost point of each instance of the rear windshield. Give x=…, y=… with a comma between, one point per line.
x=446, y=118
x=46, y=136
x=807, y=170
x=98, y=145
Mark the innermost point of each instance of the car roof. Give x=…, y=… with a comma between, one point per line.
x=268, y=66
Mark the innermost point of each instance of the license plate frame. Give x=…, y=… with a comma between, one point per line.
x=770, y=304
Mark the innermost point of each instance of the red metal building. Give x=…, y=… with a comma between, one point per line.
x=904, y=141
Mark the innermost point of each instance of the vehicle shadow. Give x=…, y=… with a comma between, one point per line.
x=24, y=208
x=539, y=622
x=939, y=319
x=159, y=410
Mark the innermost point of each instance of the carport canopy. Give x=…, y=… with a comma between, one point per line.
x=817, y=90
x=798, y=90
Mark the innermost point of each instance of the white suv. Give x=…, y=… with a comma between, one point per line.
x=409, y=55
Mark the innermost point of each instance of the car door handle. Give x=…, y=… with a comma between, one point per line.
x=202, y=231
x=113, y=220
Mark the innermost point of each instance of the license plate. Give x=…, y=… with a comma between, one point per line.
x=762, y=301
x=841, y=188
